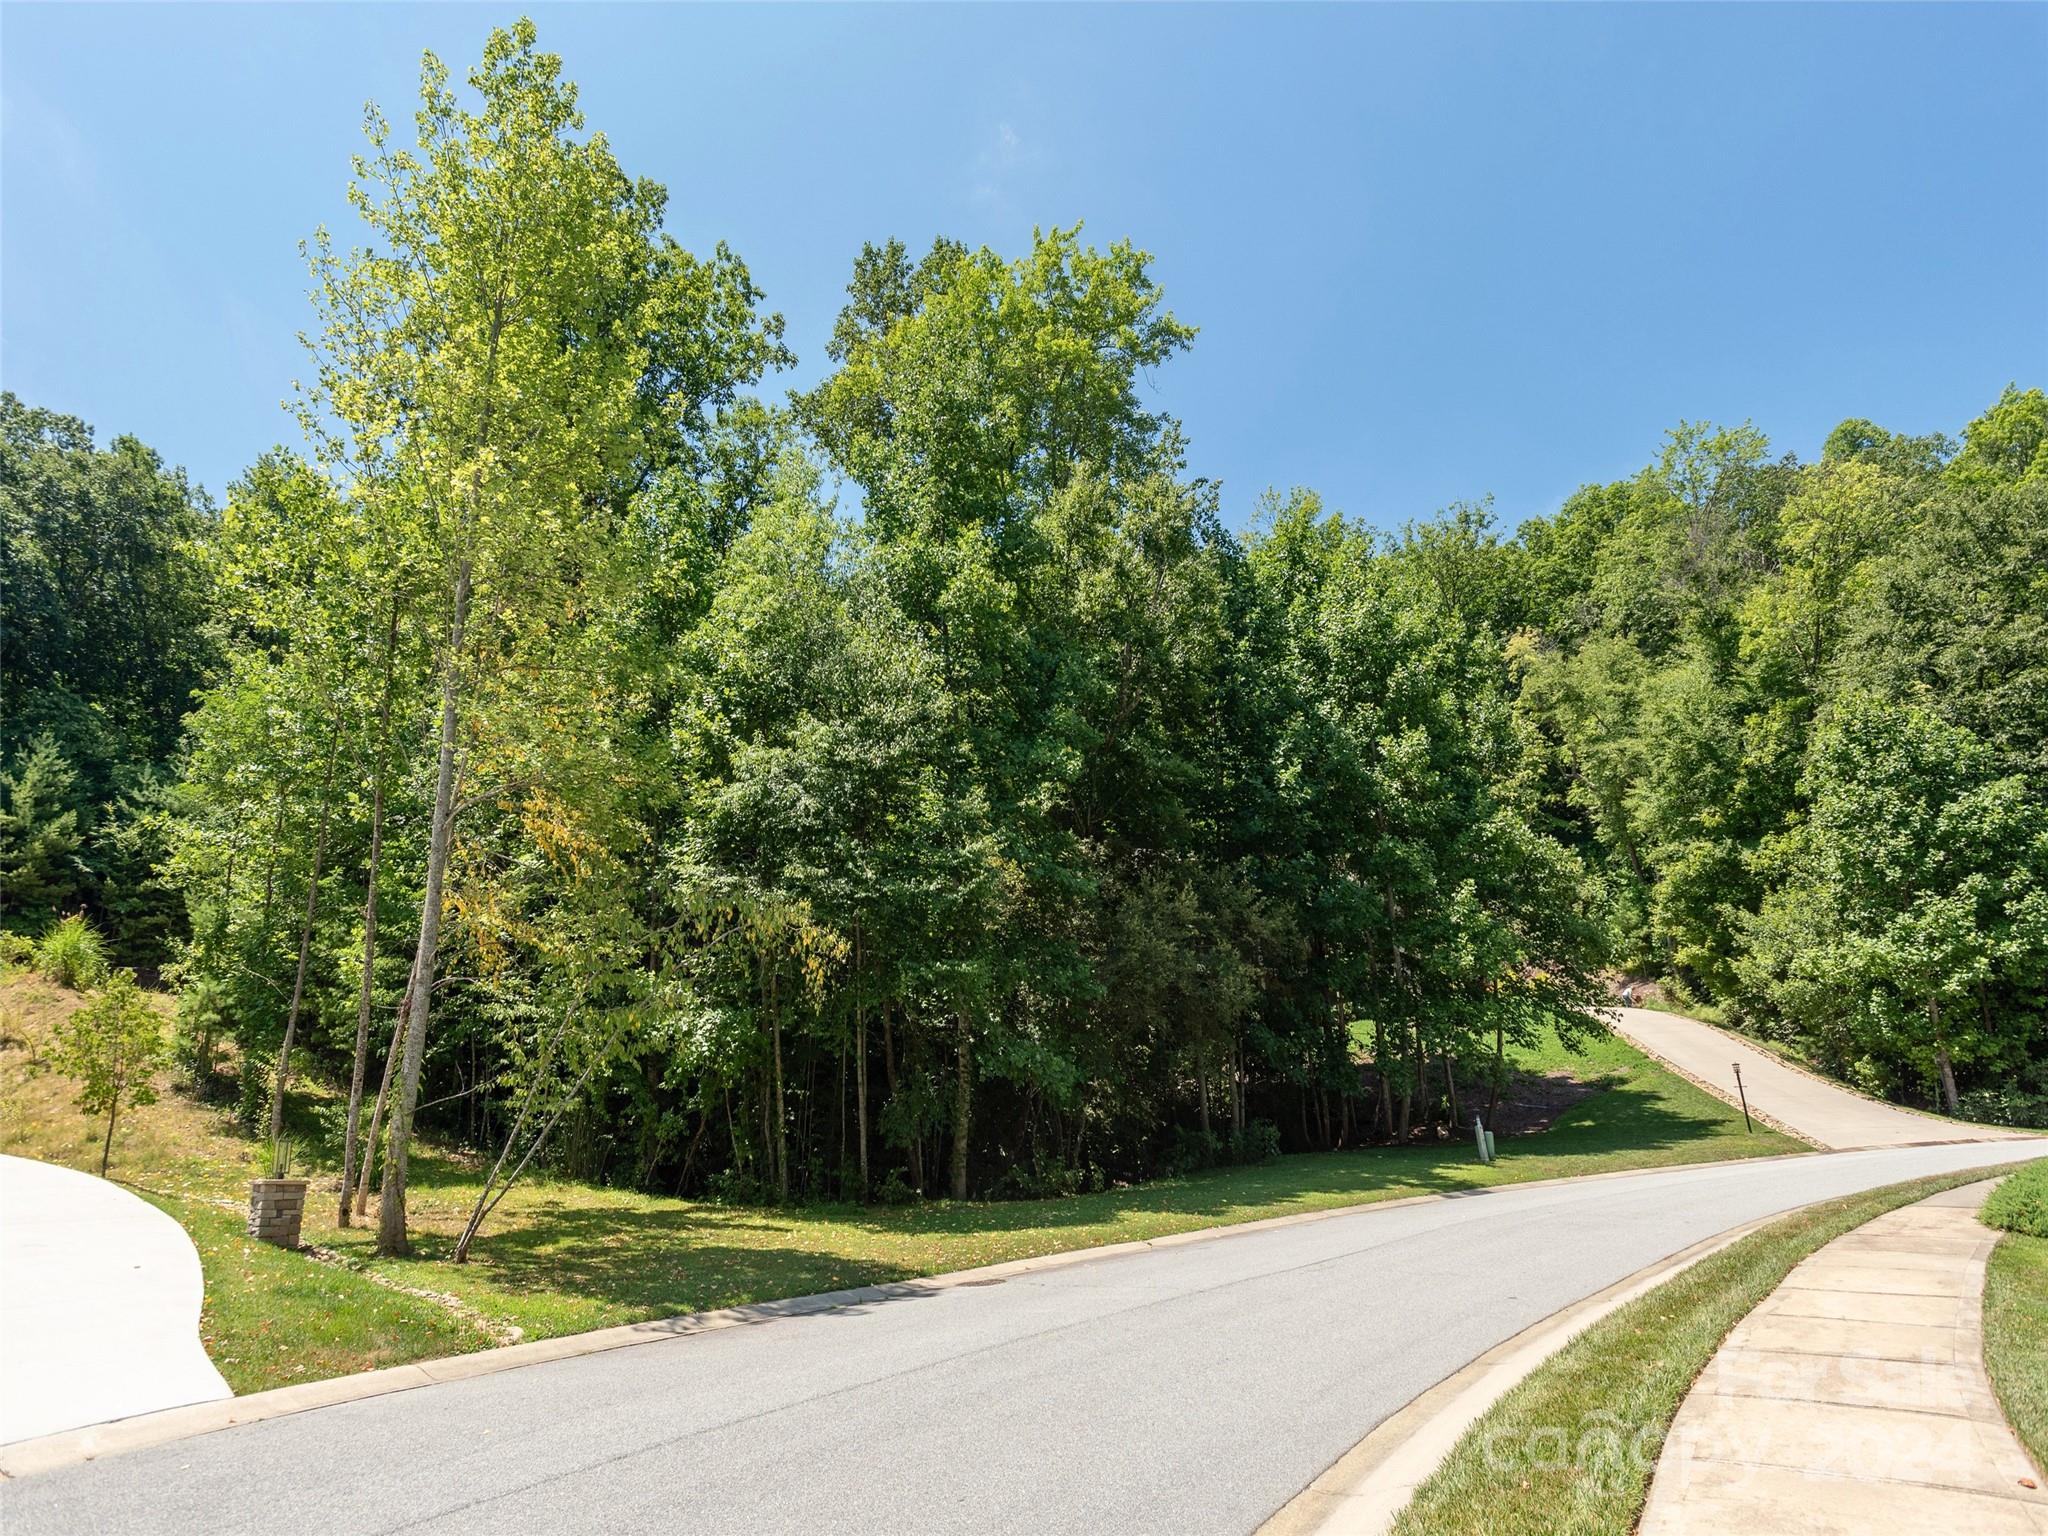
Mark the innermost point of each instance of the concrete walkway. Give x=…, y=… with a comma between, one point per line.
x=1854, y=1400
x=99, y=1304
x=1828, y=1115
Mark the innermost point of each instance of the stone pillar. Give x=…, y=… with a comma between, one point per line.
x=276, y=1208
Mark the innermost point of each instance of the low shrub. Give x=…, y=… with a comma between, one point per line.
x=2020, y=1204
x=1036, y=1180
x=896, y=1190
x=735, y=1186
x=252, y=1097
x=1258, y=1142
x=2004, y=1106
x=72, y=954
x=1191, y=1150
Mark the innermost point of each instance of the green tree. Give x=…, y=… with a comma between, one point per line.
x=104, y=587
x=972, y=395
x=2007, y=443
x=110, y=626
x=1954, y=613
x=487, y=367
x=1918, y=899
x=114, y=1045
x=40, y=871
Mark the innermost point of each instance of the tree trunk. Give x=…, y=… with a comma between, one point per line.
x=483, y=1196
x=1383, y=1111
x=363, y=1000
x=1202, y=1086
x=781, y=1114
x=916, y=1148
x=270, y=865
x=963, y=1095
x=690, y=1157
x=1499, y=1073
x=107, y=1146
x=732, y=1129
x=1949, y=1097
x=1451, y=1091
x=291, y=1018
x=486, y=1202
x=391, y=1233
x=860, y=1075
x=1941, y=1061
x=1407, y=1107
x=1422, y=1099
x=383, y=1098
x=1236, y=1091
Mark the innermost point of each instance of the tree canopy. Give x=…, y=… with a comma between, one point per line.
x=911, y=785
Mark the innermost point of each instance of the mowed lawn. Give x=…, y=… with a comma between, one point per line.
x=560, y=1257
x=2016, y=1305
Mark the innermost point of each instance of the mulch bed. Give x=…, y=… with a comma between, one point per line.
x=1531, y=1101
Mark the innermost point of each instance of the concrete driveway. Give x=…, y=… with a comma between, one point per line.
x=1809, y=1106
x=99, y=1304
x=1193, y=1388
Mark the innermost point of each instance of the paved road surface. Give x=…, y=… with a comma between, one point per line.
x=99, y=1304
x=1183, y=1389
x=1823, y=1113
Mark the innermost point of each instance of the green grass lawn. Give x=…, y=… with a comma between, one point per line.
x=1572, y=1448
x=560, y=1257
x=272, y=1318
x=565, y=1257
x=2016, y=1305
x=2016, y=1337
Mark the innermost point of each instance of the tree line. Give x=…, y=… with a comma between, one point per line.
x=911, y=786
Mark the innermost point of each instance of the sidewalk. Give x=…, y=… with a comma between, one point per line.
x=1854, y=1399
x=99, y=1304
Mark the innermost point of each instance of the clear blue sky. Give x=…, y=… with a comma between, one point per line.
x=1435, y=252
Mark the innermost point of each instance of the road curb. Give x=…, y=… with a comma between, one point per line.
x=69, y=1447
x=1363, y=1492
x=1365, y=1489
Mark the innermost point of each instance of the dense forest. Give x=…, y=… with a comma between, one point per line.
x=582, y=748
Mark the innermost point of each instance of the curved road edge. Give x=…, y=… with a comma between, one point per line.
x=1367, y=1487
x=142, y=1430
x=1364, y=1491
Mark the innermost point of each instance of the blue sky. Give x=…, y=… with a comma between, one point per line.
x=1435, y=252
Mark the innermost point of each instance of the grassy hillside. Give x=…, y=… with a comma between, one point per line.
x=560, y=1258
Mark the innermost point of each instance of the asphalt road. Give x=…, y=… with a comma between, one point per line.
x=1181, y=1389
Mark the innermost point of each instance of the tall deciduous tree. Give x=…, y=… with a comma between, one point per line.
x=498, y=364
x=1919, y=893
